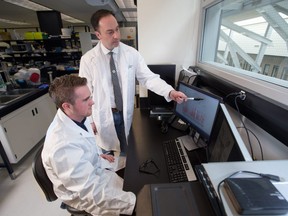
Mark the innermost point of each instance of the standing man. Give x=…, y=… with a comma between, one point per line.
x=82, y=176
x=113, y=109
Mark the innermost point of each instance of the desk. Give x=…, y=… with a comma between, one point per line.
x=145, y=142
x=219, y=171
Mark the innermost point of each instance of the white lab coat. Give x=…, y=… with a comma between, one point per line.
x=72, y=162
x=94, y=65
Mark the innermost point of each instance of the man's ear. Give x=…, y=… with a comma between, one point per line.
x=66, y=106
x=98, y=35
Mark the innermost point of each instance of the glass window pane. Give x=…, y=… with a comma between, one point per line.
x=249, y=36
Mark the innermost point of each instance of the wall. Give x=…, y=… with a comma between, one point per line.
x=170, y=36
x=167, y=32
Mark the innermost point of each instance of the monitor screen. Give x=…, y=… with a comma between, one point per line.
x=199, y=114
x=226, y=144
x=167, y=73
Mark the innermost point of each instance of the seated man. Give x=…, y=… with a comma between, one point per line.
x=82, y=176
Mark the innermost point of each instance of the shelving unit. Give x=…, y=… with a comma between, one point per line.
x=60, y=52
x=55, y=50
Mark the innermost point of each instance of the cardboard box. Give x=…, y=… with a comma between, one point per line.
x=5, y=36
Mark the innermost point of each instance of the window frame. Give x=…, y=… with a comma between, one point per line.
x=274, y=93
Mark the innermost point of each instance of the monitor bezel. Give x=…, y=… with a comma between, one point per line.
x=203, y=135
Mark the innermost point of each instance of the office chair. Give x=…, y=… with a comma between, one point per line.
x=47, y=186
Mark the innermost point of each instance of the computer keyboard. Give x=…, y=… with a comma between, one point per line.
x=177, y=161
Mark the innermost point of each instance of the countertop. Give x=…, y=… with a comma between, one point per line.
x=23, y=100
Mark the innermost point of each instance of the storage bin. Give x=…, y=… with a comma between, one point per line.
x=35, y=35
x=29, y=35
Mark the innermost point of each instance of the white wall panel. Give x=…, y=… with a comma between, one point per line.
x=167, y=32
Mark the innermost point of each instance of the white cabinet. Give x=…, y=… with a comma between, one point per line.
x=23, y=128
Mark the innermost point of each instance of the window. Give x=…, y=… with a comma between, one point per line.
x=285, y=73
x=275, y=71
x=245, y=37
x=266, y=69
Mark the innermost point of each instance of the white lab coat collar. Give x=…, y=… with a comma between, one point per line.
x=71, y=125
x=106, y=51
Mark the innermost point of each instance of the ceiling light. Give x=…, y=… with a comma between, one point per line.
x=37, y=7
x=98, y=2
x=128, y=9
x=70, y=19
x=13, y=22
x=28, y=4
x=125, y=4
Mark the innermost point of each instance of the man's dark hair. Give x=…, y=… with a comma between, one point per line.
x=95, y=18
x=62, y=89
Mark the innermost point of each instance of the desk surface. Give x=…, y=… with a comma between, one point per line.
x=145, y=142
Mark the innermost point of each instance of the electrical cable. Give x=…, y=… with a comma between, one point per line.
x=222, y=209
x=246, y=130
x=190, y=78
x=259, y=143
x=231, y=94
x=242, y=96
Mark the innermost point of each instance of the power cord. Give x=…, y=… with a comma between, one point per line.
x=190, y=78
x=242, y=96
x=259, y=143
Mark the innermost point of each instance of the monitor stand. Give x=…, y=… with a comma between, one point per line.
x=190, y=143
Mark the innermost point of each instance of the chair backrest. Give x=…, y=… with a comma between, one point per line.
x=42, y=178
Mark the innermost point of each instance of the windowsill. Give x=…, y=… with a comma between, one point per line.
x=273, y=93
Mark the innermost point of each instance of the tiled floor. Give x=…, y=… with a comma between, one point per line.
x=23, y=196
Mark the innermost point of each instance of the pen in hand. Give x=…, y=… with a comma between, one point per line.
x=196, y=99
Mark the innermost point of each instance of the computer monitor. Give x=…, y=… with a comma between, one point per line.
x=167, y=73
x=50, y=22
x=199, y=114
x=226, y=144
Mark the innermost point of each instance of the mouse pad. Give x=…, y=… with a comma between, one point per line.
x=173, y=199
